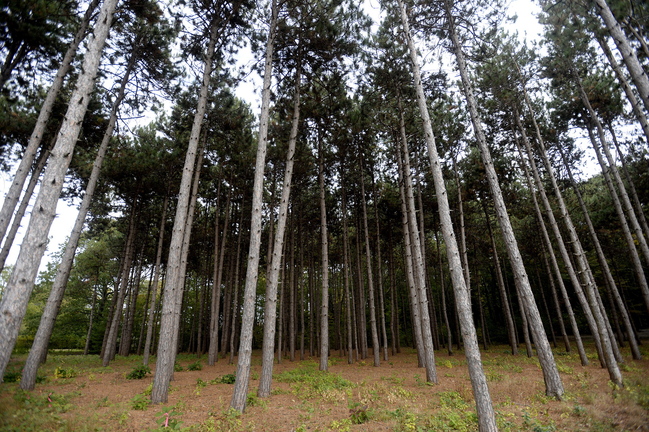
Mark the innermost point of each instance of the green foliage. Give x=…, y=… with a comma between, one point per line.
x=178, y=367
x=358, y=413
x=196, y=366
x=168, y=418
x=140, y=371
x=225, y=379
x=11, y=377
x=310, y=382
x=140, y=402
x=63, y=373
x=253, y=401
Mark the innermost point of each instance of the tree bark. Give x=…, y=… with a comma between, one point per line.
x=554, y=386
x=173, y=291
x=638, y=75
x=36, y=137
x=21, y=283
x=156, y=278
x=370, y=276
x=486, y=415
x=324, y=306
x=240, y=392
x=270, y=307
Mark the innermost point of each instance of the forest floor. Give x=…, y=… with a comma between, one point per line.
x=78, y=394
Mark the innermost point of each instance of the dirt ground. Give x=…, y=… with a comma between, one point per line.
x=392, y=397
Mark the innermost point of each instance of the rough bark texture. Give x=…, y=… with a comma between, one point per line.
x=486, y=414
x=240, y=392
x=554, y=386
x=43, y=117
x=270, y=307
x=638, y=75
x=21, y=283
x=172, y=293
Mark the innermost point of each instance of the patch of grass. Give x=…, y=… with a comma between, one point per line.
x=178, y=367
x=11, y=376
x=140, y=371
x=253, y=401
x=359, y=414
x=309, y=382
x=394, y=379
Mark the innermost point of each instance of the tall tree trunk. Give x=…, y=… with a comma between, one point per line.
x=633, y=100
x=219, y=255
x=21, y=282
x=24, y=203
x=270, y=307
x=348, y=303
x=111, y=340
x=11, y=199
x=418, y=262
x=324, y=307
x=509, y=320
x=554, y=386
x=407, y=257
x=486, y=415
x=156, y=279
x=638, y=75
x=555, y=299
x=240, y=392
x=572, y=274
x=86, y=348
x=174, y=287
x=601, y=258
x=379, y=271
x=442, y=287
x=370, y=276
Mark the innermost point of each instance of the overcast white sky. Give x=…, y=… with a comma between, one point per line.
x=527, y=25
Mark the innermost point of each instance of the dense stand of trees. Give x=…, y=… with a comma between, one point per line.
x=376, y=203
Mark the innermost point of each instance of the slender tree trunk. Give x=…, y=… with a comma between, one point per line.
x=21, y=282
x=11, y=199
x=633, y=100
x=634, y=194
x=601, y=258
x=379, y=271
x=22, y=208
x=486, y=415
x=407, y=257
x=418, y=263
x=217, y=277
x=270, y=307
x=638, y=75
x=348, y=303
x=86, y=348
x=240, y=392
x=555, y=299
x=370, y=277
x=174, y=287
x=554, y=386
x=509, y=320
x=449, y=333
x=156, y=278
x=324, y=311
x=111, y=340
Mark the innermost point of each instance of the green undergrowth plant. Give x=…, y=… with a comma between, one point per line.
x=140, y=371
